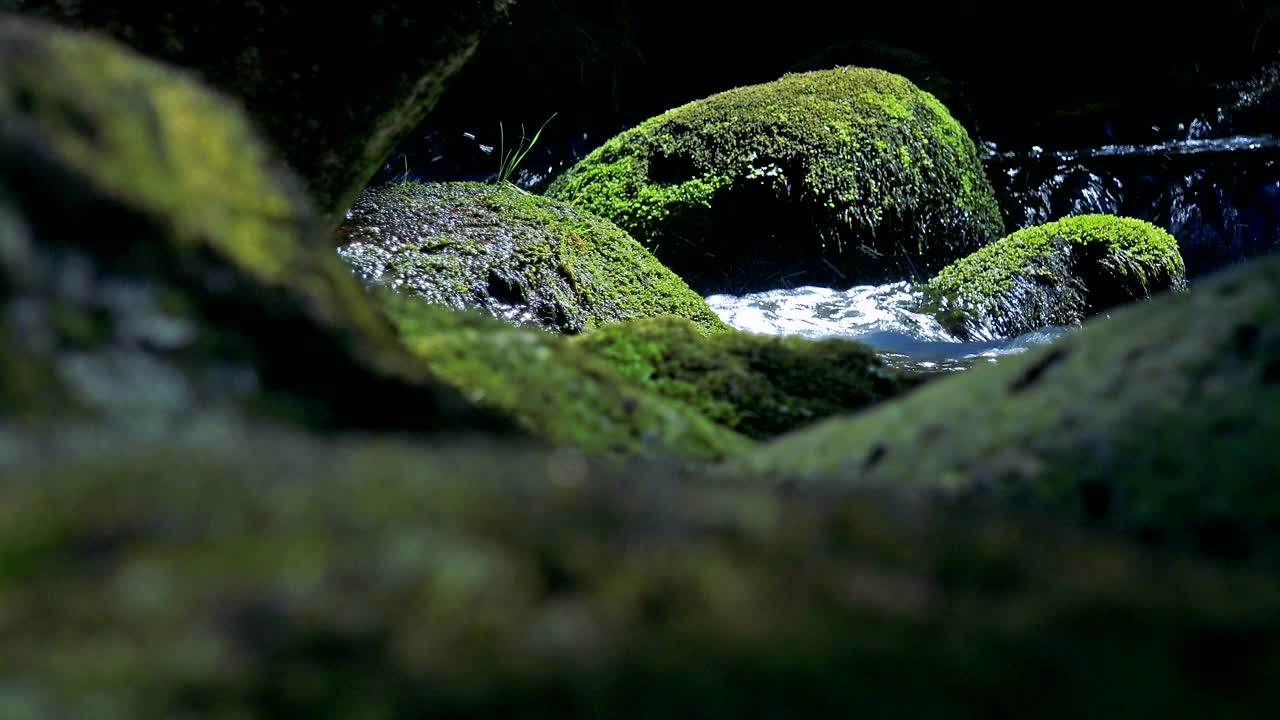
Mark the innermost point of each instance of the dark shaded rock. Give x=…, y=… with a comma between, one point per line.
x=522, y=257
x=156, y=264
x=758, y=385
x=833, y=177
x=333, y=87
x=1157, y=421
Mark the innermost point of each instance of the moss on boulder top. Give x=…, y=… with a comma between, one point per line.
x=335, y=86
x=1058, y=273
x=832, y=177
x=156, y=263
x=268, y=575
x=555, y=390
x=758, y=385
x=525, y=258
x=1159, y=421
x=898, y=60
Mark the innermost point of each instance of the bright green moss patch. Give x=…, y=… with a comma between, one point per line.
x=1058, y=273
x=900, y=61
x=827, y=177
x=758, y=385
x=259, y=574
x=554, y=389
x=1158, y=420
x=522, y=257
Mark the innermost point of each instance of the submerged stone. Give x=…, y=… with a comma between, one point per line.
x=835, y=177
x=1058, y=273
x=521, y=257
x=758, y=385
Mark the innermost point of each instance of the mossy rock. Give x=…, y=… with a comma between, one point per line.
x=1058, y=273
x=898, y=60
x=758, y=385
x=333, y=87
x=835, y=177
x=1158, y=420
x=525, y=258
x=265, y=575
x=156, y=263
x=553, y=389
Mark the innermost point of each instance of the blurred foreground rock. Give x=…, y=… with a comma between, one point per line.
x=156, y=264
x=259, y=574
x=333, y=87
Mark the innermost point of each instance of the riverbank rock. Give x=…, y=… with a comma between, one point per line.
x=1156, y=421
x=521, y=257
x=269, y=574
x=333, y=87
x=758, y=385
x=843, y=176
x=555, y=390
x=156, y=263
x=1058, y=273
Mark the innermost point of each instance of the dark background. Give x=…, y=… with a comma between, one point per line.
x=1016, y=74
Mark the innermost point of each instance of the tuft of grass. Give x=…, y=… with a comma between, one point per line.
x=510, y=160
x=404, y=179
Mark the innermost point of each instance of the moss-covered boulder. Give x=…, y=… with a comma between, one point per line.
x=832, y=177
x=557, y=391
x=522, y=257
x=333, y=86
x=1158, y=420
x=1058, y=273
x=263, y=575
x=758, y=385
x=155, y=263
x=921, y=71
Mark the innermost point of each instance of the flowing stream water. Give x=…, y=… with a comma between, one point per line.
x=878, y=315
x=1220, y=197
x=1212, y=182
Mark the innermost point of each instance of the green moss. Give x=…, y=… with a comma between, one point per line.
x=194, y=141
x=870, y=53
x=161, y=263
x=258, y=574
x=757, y=385
x=1157, y=420
x=555, y=390
x=851, y=171
x=515, y=255
x=1057, y=274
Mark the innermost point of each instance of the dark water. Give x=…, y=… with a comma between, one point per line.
x=1220, y=197
x=474, y=153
